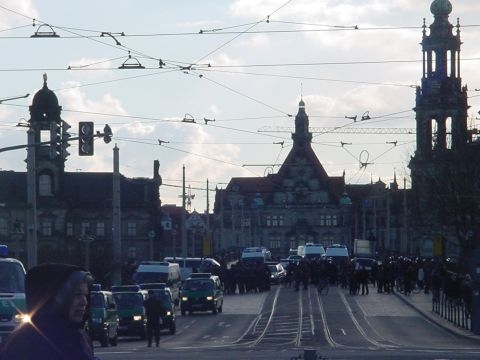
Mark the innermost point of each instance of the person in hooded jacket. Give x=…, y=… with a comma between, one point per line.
x=56, y=298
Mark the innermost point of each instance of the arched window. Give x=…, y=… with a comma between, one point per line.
x=45, y=185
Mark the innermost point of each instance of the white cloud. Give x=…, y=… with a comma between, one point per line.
x=20, y=9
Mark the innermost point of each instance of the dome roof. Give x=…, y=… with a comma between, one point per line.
x=45, y=98
x=441, y=7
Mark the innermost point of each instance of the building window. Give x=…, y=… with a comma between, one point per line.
x=275, y=220
x=69, y=229
x=132, y=229
x=274, y=243
x=328, y=220
x=46, y=228
x=322, y=220
x=132, y=252
x=85, y=229
x=328, y=239
x=45, y=185
x=100, y=229
x=3, y=227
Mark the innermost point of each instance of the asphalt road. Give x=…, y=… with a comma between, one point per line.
x=286, y=324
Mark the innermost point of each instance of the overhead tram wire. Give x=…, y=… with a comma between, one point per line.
x=241, y=33
x=191, y=153
x=246, y=96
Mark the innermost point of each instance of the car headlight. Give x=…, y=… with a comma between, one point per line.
x=169, y=313
x=22, y=318
x=184, y=298
x=137, y=317
x=209, y=298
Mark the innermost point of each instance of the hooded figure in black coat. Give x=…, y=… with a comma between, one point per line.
x=57, y=298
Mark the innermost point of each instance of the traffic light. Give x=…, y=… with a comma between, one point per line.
x=85, y=138
x=107, y=134
x=55, y=139
x=65, y=140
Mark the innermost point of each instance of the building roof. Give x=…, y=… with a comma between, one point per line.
x=84, y=189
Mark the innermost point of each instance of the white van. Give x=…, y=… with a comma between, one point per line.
x=159, y=272
x=189, y=265
x=313, y=251
x=339, y=255
x=252, y=255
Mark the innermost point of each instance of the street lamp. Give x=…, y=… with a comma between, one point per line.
x=174, y=238
x=151, y=236
x=87, y=240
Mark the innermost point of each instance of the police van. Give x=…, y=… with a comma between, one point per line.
x=201, y=292
x=12, y=294
x=131, y=312
x=160, y=272
x=191, y=265
x=251, y=255
x=313, y=251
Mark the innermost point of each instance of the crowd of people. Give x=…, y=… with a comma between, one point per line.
x=402, y=274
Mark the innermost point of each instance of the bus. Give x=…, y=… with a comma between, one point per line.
x=12, y=294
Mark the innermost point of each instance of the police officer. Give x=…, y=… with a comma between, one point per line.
x=154, y=310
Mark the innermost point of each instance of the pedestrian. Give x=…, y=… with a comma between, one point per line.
x=154, y=310
x=56, y=298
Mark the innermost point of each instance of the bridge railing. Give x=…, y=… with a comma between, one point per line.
x=453, y=310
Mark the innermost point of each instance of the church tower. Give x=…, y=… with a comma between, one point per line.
x=50, y=133
x=441, y=105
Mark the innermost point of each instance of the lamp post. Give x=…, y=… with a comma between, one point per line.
x=174, y=242
x=151, y=236
x=32, y=201
x=87, y=240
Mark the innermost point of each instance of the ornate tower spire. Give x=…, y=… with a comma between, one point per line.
x=441, y=100
x=301, y=136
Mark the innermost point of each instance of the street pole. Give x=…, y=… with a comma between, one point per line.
x=183, y=231
x=116, y=221
x=32, y=241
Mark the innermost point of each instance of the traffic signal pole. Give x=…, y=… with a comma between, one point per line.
x=31, y=146
x=32, y=240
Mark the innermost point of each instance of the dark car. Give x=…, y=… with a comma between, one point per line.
x=201, y=292
x=277, y=273
x=131, y=312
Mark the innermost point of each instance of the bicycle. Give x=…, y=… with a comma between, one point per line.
x=323, y=286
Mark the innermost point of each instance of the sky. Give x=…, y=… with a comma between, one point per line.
x=221, y=80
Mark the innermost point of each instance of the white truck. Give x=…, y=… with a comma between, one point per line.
x=364, y=248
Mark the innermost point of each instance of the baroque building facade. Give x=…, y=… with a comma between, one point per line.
x=446, y=165
x=301, y=204
x=72, y=211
